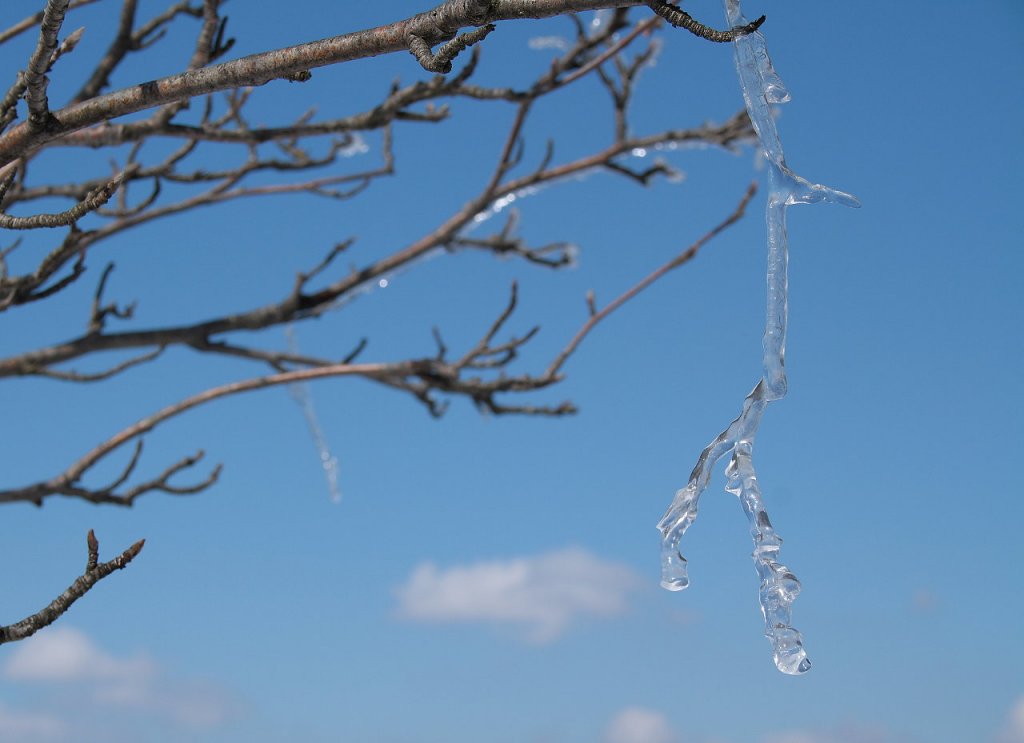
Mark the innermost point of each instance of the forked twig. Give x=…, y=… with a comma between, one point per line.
x=95, y=571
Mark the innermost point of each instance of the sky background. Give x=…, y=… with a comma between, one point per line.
x=496, y=579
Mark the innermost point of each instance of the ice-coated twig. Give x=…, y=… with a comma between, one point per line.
x=761, y=87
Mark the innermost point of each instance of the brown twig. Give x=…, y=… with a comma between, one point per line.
x=681, y=19
x=439, y=24
x=304, y=304
x=39, y=116
x=596, y=316
x=420, y=377
x=90, y=203
x=441, y=61
x=95, y=571
x=33, y=20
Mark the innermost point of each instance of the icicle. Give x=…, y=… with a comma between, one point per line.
x=761, y=87
x=299, y=392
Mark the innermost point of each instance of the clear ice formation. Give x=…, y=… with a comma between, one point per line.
x=762, y=88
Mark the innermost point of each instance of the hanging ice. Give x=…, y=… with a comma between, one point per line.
x=299, y=392
x=761, y=87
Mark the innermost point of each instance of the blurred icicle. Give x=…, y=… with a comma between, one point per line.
x=598, y=18
x=503, y=202
x=761, y=87
x=300, y=393
x=356, y=146
x=538, y=43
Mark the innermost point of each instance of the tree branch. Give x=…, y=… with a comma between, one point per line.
x=90, y=203
x=299, y=304
x=434, y=26
x=420, y=377
x=596, y=316
x=95, y=571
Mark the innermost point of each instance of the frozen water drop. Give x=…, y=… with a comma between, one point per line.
x=673, y=570
x=794, y=665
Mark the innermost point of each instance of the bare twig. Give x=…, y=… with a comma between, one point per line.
x=681, y=19
x=90, y=203
x=420, y=377
x=307, y=304
x=596, y=316
x=73, y=376
x=122, y=44
x=437, y=25
x=95, y=571
x=39, y=116
x=33, y=20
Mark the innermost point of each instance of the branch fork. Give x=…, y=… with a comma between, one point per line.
x=95, y=571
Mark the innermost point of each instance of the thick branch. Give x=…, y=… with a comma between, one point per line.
x=435, y=26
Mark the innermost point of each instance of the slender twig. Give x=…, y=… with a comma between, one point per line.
x=419, y=376
x=122, y=43
x=90, y=203
x=33, y=20
x=596, y=316
x=434, y=26
x=681, y=19
x=309, y=304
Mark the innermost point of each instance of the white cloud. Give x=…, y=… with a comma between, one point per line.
x=639, y=725
x=542, y=593
x=1013, y=730
x=793, y=737
x=191, y=704
x=22, y=727
x=848, y=733
x=64, y=655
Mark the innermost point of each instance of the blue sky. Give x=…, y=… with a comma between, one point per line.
x=497, y=578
